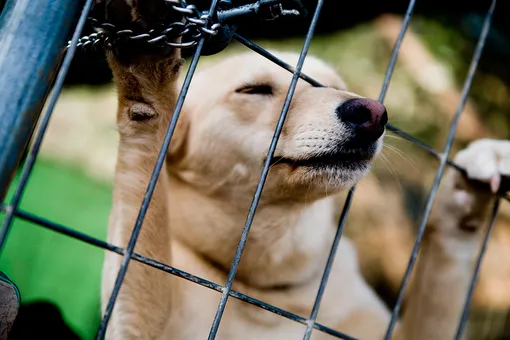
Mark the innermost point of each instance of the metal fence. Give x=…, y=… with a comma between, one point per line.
x=20, y=105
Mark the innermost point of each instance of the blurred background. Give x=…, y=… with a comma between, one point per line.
x=71, y=183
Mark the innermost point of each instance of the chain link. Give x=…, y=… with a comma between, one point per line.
x=186, y=33
x=194, y=26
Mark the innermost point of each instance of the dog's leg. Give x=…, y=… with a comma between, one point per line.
x=145, y=82
x=458, y=221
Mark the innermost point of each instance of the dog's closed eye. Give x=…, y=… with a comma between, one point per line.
x=259, y=89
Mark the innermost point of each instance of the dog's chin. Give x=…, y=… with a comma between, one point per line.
x=352, y=160
x=339, y=169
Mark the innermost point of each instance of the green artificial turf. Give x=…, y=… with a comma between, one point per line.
x=46, y=265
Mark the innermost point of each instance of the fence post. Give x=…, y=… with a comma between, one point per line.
x=33, y=35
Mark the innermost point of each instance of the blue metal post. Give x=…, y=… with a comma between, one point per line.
x=33, y=35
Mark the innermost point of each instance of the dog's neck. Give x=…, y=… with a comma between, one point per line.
x=287, y=244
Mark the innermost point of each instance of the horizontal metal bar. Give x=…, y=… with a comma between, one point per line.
x=254, y=47
x=61, y=229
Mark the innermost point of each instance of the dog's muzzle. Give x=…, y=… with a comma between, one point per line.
x=365, y=119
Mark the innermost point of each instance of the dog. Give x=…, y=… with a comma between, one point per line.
x=194, y=221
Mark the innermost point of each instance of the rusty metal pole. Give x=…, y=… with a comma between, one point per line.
x=33, y=36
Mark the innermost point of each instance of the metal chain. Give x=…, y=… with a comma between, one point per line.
x=195, y=25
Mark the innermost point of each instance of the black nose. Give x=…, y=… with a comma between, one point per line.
x=366, y=116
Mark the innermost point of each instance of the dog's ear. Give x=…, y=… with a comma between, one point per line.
x=179, y=142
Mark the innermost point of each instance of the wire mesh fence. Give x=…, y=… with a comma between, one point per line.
x=12, y=210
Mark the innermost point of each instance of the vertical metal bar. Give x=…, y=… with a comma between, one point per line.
x=33, y=35
x=152, y=185
x=329, y=264
x=440, y=170
x=350, y=196
x=265, y=171
x=29, y=164
x=396, y=49
x=476, y=272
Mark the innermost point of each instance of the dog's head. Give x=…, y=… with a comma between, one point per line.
x=328, y=141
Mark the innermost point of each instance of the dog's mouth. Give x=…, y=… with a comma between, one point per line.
x=337, y=159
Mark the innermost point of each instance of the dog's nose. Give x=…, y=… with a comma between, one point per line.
x=367, y=116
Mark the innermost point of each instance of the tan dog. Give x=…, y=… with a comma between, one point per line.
x=200, y=205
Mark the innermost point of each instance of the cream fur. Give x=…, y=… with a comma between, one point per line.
x=203, y=194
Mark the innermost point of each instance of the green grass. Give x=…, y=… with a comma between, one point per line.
x=49, y=266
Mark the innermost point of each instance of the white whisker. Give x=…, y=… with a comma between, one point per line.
x=405, y=157
x=393, y=172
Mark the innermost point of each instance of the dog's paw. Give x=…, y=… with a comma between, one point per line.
x=486, y=161
x=487, y=166
x=139, y=17
x=133, y=14
x=464, y=201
